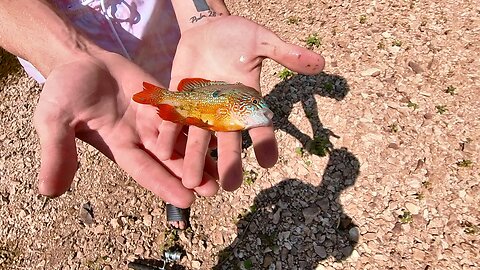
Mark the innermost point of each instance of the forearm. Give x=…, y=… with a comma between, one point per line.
x=33, y=30
x=191, y=13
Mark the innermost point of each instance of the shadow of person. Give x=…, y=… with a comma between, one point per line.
x=296, y=224
x=303, y=88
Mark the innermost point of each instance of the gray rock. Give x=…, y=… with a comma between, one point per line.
x=354, y=234
x=276, y=216
x=320, y=251
x=86, y=214
x=347, y=251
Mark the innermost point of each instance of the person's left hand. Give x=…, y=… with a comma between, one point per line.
x=231, y=49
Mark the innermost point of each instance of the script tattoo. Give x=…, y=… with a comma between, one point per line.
x=200, y=16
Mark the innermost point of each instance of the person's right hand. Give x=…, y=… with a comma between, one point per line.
x=90, y=98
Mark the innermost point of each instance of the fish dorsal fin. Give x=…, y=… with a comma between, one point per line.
x=189, y=84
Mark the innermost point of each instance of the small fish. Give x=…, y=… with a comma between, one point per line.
x=212, y=105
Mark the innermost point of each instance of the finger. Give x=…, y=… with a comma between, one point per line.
x=210, y=167
x=229, y=161
x=58, y=153
x=168, y=136
x=195, y=153
x=293, y=57
x=208, y=185
x=209, y=173
x=265, y=146
x=207, y=188
x=154, y=177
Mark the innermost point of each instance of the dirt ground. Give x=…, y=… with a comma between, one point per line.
x=379, y=165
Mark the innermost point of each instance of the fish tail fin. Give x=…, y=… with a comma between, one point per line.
x=151, y=94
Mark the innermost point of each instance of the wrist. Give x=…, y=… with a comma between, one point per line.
x=193, y=13
x=67, y=49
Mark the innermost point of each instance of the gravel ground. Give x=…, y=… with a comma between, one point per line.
x=379, y=163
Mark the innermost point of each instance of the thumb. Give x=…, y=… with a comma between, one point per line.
x=293, y=57
x=58, y=152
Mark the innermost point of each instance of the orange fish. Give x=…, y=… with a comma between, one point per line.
x=212, y=105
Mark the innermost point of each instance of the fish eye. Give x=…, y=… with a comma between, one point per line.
x=255, y=101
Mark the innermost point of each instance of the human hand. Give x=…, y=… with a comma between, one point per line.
x=90, y=98
x=231, y=49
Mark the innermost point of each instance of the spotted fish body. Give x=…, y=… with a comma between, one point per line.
x=212, y=105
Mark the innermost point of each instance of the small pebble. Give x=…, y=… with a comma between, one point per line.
x=428, y=116
x=414, y=209
x=147, y=220
x=415, y=67
x=354, y=234
x=86, y=213
x=393, y=146
x=196, y=264
x=373, y=72
x=320, y=250
x=267, y=260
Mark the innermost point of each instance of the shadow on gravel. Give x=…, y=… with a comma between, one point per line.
x=297, y=224
x=8, y=64
x=303, y=88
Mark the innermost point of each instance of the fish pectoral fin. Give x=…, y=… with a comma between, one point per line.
x=168, y=112
x=189, y=84
x=197, y=122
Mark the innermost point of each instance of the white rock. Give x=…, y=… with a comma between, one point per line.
x=99, y=229
x=394, y=49
x=196, y=264
x=370, y=72
x=147, y=220
x=414, y=209
x=386, y=35
x=114, y=223
x=354, y=256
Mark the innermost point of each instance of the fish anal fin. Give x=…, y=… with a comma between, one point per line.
x=189, y=84
x=197, y=122
x=168, y=112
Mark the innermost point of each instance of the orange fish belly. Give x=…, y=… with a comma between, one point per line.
x=207, y=116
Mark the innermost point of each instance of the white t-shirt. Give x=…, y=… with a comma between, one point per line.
x=146, y=31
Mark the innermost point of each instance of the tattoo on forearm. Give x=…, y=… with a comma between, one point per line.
x=200, y=16
x=201, y=5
